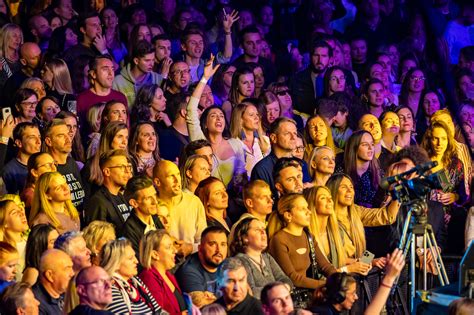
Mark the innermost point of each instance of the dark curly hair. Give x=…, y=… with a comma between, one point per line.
x=141, y=107
x=238, y=243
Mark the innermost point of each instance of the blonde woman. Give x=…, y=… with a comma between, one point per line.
x=129, y=294
x=193, y=171
x=317, y=133
x=96, y=235
x=36, y=84
x=157, y=257
x=52, y=204
x=352, y=218
x=57, y=78
x=94, y=116
x=325, y=228
x=321, y=165
x=246, y=125
x=11, y=39
x=291, y=246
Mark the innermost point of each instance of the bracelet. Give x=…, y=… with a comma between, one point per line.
x=385, y=285
x=203, y=80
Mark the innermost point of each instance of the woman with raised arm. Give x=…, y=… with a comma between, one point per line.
x=229, y=164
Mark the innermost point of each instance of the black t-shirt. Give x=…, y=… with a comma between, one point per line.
x=249, y=305
x=70, y=171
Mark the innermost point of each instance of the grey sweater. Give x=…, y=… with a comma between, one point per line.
x=271, y=272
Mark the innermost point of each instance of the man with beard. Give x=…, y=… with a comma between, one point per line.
x=179, y=79
x=58, y=143
x=308, y=84
x=108, y=203
x=41, y=30
x=288, y=175
x=187, y=215
x=283, y=136
x=197, y=276
x=101, y=76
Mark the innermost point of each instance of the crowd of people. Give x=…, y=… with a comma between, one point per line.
x=226, y=157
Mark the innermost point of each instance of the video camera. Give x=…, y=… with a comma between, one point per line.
x=407, y=190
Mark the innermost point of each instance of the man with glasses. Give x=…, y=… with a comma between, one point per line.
x=94, y=288
x=138, y=72
x=27, y=139
x=179, y=79
x=141, y=195
x=58, y=143
x=108, y=203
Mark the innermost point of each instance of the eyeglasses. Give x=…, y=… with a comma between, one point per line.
x=30, y=104
x=299, y=149
x=101, y=282
x=282, y=93
x=123, y=168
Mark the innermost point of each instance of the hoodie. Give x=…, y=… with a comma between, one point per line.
x=126, y=84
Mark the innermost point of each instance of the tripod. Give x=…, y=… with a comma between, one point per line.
x=411, y=231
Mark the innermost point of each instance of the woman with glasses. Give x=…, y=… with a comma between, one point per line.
x=215, y=199
x=25, y=101
x=246, y=125
x=38, y=164
x=129, y=294
x=413, y=87
x=157, y=257
x=249, y=244
x=52, y=204
x=40, y=239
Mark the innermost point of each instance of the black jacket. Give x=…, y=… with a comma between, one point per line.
x=101, y=206
x=134, y=229
x=302, y=92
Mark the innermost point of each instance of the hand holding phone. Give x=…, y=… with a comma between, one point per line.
x=367, y=257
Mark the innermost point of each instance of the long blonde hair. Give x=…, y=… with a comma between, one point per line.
x=236, y=125
x=41, y=203
x=309, y=142
x=5, y=35
x=338, y=259
x=357, y=231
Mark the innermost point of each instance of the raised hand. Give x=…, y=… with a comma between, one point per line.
x=229, y=19
x=100, y=43
x=395, y=264
x=209, y=69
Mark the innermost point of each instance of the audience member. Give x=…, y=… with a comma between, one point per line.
x=94, y=288
x=96, y=235
x=73, y=244
x=19, y=299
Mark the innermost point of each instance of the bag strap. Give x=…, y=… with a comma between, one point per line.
x=314, y=264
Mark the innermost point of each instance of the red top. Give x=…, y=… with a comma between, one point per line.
x=160, y=290
x=86, y=99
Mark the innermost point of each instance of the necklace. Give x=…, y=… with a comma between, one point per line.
x=260, y=264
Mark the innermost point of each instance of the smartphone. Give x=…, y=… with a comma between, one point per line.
x=7, y=111
x=367, y=257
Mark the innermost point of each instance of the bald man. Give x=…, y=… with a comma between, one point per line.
x=55, y=272
x=30, y=56
x=94, y=289
x=187, y=215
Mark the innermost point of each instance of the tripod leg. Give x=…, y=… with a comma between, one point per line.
x=412, y=272
x=425, y=275
x=403, y=239
x=443, y=276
